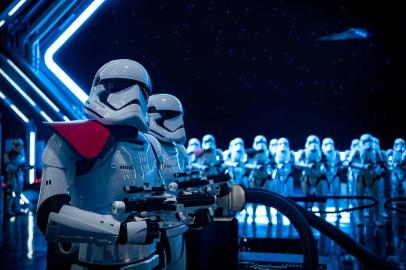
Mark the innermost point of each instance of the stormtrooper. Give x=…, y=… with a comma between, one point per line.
x=192, y=146
x=273, y=146
x=236, y=162
x=397, y=163
x=313, y=178
x=366, y=160
x=282, y=177
x=332, y=164
x=90, y=164
x=15, y=164
x=352, y=173
x=384, y=185
x=261, y=166
x=166, y=125
x=209, y=159
x=167, y=134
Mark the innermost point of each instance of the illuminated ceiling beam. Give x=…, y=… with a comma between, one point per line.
x=60, y=41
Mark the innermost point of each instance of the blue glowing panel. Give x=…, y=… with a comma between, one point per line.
x=60, y=41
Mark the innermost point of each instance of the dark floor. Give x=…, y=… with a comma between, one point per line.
x=22, y=245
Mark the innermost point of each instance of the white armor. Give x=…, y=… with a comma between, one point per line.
x=261, y=170
x=192, y=146
x=236, y=162
x=352, y=173
x=332, y=164
x=119, y=95
x=210, y=159
x=313, y=179
x=78, y=189
x=366, y=159
x=166, y=125
x=397, y=162
x=15, y=164
x=273, y=146
x=282, y=176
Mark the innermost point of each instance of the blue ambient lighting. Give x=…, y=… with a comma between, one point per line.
x=50, y=52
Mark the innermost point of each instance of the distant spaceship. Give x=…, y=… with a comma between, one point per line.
x=350, y=34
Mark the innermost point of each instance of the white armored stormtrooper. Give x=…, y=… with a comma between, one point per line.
x=397, y=162
x=166, y=125
x=332, y=164
x=282, y=176
x=209, y=159
x=352, y=173
x=313, y=178
x=236, y=162
x=366, y=160
x=261, y=170
x=273, y=146
x=192, y=146
x=384, y=185
x=89, y=165
x=15, y=164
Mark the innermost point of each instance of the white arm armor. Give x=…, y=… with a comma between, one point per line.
x=60, y=221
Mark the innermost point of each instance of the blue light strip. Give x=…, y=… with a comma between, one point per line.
x=36, y=89
x=32, y=157
x=2, y=22
x=25, y=96
x=8, y=103
x=18, y=88
x=50, y=52
x=16, y=7
x=33, y=86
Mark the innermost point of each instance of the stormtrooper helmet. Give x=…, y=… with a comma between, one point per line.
x=312, y=147
x=208, y=142
x=282, y=151
x=399, y=145
x=166, y=118
x=366, y=142
x=237, y=149
x=119, y=95
x=260, y=143
x=283, y=145
x=273, y=145
x=327, y=146
x=398, y=150
x=193, y=145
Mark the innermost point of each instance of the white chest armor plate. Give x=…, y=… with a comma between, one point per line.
x=124, y=164
x=174, y=161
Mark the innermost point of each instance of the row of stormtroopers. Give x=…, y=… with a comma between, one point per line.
x=208, y=158
x=133, y=139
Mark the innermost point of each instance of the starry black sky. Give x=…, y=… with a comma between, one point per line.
x=242, y=68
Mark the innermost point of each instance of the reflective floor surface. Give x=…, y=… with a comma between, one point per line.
x=23, y=245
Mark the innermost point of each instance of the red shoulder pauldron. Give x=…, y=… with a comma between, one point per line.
x=198, y=152
x=88, y=137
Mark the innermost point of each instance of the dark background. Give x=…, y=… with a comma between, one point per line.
x=242, y=68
